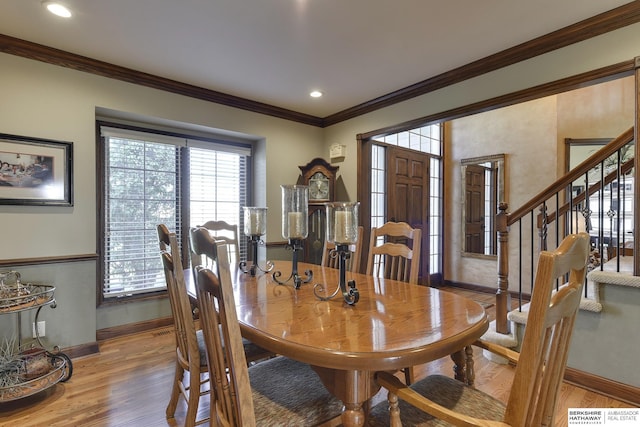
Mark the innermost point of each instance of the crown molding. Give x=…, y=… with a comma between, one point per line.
x=610, y=72
x=38, y=52
x=591, y=27
x=597, y=25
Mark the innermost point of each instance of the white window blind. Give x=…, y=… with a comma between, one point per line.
x=218, y=189
x=142, y=188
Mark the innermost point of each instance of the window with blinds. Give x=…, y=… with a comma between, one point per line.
x=143, y=186
x=218, y=190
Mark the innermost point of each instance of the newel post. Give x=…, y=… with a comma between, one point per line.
x=503, y=298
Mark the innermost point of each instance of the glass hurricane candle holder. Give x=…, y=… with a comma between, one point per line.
x=255, y=221
x=295, y=228
x=342, y=222
x=295, y=211
x=255, y=225
x=342, y=229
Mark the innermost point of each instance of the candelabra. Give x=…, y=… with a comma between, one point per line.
x=295, y=228
x=255, y=225
x=342, y=229
x=296, y=246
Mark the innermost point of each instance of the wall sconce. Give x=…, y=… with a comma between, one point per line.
x=337, y=151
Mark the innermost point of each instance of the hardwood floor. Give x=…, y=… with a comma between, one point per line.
x=127, y=385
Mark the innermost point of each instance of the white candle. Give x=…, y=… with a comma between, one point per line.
x=343, y=227
x=295, y=225
x=254, y=225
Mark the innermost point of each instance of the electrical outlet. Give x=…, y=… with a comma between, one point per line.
x=41, y=329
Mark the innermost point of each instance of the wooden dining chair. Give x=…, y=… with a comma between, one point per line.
x=228, y=233
x=540, y=365
x=353, y=263
x=190, y=348
x=394, y=253
x=203, y=254
x=276, y=392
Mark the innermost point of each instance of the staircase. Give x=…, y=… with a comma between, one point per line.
x=523, y=233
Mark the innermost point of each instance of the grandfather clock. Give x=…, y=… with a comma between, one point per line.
x=320, y=176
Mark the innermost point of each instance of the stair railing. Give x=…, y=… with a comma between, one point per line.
x=571, y=212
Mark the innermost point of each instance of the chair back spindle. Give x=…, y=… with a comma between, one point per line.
x=354, y=259
x=398, y=255
x=227, y=233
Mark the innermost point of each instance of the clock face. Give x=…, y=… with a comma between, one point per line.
x=319, y=187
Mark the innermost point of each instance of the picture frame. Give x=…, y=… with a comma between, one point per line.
x=35, y=171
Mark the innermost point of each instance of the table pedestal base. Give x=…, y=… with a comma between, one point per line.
x=354, y=388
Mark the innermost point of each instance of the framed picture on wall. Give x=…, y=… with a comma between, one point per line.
x=35, y=171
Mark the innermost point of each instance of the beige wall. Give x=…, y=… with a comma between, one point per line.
x=526, y=134
x=601, y=111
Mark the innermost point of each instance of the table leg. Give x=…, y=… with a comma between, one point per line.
x=471, y=373
x=354, y=388
x=459, y=365
x=463, y=365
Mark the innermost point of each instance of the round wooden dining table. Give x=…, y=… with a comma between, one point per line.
x=393, y=325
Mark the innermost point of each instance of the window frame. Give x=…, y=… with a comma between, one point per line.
x=196, y=141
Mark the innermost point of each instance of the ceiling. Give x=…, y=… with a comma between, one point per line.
x=277, y=51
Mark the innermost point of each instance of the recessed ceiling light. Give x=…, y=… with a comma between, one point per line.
x=315, y=94
x=57, y=8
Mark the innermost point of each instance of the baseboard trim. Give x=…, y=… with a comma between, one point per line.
x=82, y=350
x=132, y=328
x=622, y=392
x=114, y=332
